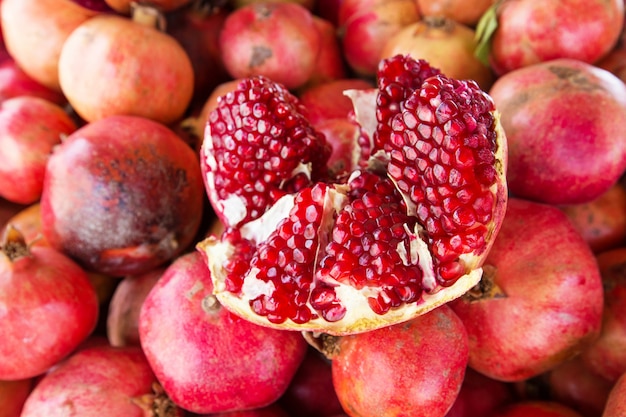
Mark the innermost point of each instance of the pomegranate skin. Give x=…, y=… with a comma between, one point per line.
x=546, y=309
x=374, y=375
x=587, y=31
x=616, y=403
x=565, y=122
x=135, y=183
x=535, y=409
x=207, y=359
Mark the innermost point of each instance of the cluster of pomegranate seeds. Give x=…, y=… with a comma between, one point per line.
x=365, y=241
x=287, y=259
x=441, y=146
x=261, y=147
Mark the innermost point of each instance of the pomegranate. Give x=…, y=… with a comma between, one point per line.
x=531, y=312
x=207, y=359
x=13, y=394
x=615, y=404
x=30, y=127
x=27, y=220
x=48, y=307
x=365, y=27
x=462, y=11
x=445, y=44
x=573, y=384
x=615, y=62
x=424, y=383
x=535, y=409
x=564, y=148
x=273, y=410
x=525, y=35
x=343, y=136
x=304, y=3
x=480, y=395
x=34, y=32
x=380, y=246
x=122, y=322
x=148, y=72
x=94, y=5
x=135, y=184
x=278, y=40
x=100, y=380
x=15, y=82
x=602, y=222
x=311, y=392
x=607, y=355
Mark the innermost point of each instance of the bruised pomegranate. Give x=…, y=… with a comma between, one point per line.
x=539, y=302
x=415, y=368
x=306, y=251
x=207, y=359
x=122, y=195
x=565, y=122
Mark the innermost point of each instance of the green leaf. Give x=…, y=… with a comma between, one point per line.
x=485, y=28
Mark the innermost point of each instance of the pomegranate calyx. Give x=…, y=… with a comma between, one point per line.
x=486, y=288
x=13, y=244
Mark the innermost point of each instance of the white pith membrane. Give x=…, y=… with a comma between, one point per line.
x=359, y=316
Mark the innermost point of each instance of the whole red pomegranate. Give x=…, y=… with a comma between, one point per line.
x=406, y=232
x=480, y=395
x=15, y=82
x=616, y=402
x=366, y=26
x=564, y=148
x=148, y=72
x=446, y=44
x=30, y=127
x=278, y=40
x=607, y=355
x=418, y=366
x=531, y=312
x=526, y=34
x=48, y=307
x=100, y=380
x=207, y=359
x=122, y=195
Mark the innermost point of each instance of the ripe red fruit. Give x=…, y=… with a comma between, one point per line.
x=207, y=359
x=122, y=195
x=462, y=11
x=532, y=311
x=15, y=82
x=99, y=380
x=414, y=368
x=564, y=148
x=587, y=31
x=480, y=395
x=278, y=40
x=616, y=403
x=148, y=72
x=401, y=236
x=30, y=128
x=49, y=307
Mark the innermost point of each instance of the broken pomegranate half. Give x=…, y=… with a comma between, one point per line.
x=402, y=234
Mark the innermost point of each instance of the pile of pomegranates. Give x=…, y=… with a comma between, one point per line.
x=312, y=208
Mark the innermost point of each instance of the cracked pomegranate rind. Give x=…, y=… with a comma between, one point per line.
x=405, y=233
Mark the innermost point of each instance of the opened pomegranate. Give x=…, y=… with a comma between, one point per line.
x=306, y=251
